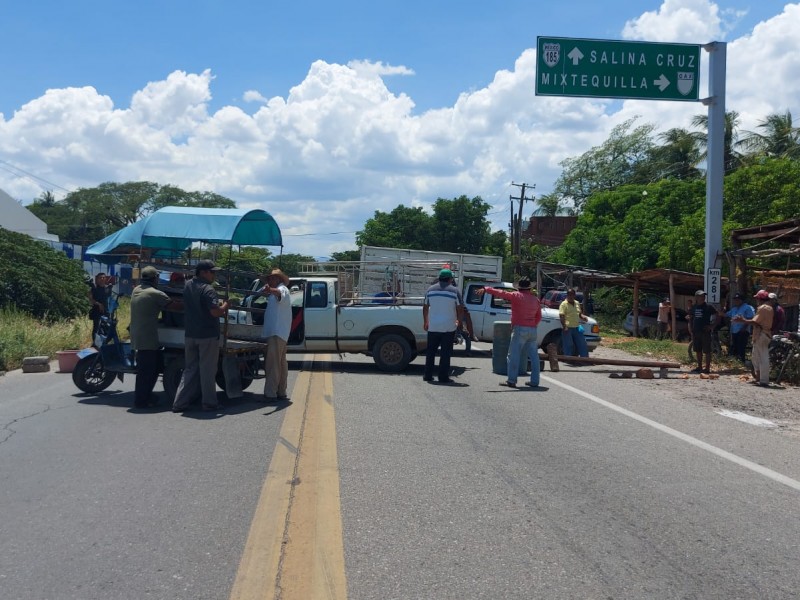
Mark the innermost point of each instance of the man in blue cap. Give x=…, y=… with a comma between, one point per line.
x=442, y=312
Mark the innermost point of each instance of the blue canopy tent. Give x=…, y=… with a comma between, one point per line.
x=173, y=229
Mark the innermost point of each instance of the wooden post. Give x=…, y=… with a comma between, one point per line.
x=673, y=317
x=636, y=307
x=552, y=356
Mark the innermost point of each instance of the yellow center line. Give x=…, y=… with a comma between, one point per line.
x=294, y=549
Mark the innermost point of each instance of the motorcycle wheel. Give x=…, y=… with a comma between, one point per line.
x=91, y=376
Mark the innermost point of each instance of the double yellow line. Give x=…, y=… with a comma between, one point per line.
x=294, y=549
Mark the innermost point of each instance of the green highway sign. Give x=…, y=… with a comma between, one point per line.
x=613, y=69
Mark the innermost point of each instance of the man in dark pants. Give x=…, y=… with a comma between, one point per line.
x=146, y=303
x=442, y=312
x=702, y=320
x=202, y=311
x=99, y=292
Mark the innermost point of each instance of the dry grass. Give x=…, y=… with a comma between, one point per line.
x=22, y=335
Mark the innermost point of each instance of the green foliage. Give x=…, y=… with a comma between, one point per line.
x=291, y=263
x=461, y=224
x=457, y=225
x=90, y=214
x=639, y=227
x=622, y=159
x=346, y=255
x=38, y=280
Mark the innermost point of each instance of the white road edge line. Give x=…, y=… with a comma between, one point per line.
x=749, y=419
x=742, y=462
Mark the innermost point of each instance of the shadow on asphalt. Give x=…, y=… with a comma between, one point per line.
x=250, y=402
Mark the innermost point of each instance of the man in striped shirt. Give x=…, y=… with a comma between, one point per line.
x=442, y=312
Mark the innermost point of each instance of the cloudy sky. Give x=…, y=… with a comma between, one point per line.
x=323, y=112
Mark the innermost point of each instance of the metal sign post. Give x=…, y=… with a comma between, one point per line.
x=715, y=161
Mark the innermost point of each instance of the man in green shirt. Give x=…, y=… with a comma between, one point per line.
x=147, y=302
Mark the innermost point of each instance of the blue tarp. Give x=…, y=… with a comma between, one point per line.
x=173, y=229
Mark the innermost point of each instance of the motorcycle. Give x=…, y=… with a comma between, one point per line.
x=108, y=359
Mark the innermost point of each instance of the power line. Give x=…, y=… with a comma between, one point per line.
x=314, y=234
x=31, y=177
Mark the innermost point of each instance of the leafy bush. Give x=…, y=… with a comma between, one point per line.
x=38, y=280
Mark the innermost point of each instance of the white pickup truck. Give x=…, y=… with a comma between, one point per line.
x=388, y=329
x=485, y=310
x=390, y=332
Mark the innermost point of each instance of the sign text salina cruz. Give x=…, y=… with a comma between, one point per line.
x=616, y=69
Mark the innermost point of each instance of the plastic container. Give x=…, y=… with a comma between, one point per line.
x=67, y=359
x=500, y=344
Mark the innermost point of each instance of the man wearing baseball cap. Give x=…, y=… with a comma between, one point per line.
x=147, y=301
x=201, y=348
x=702, y=320
x=740, y=333
x=441, y=316
x=762, y=328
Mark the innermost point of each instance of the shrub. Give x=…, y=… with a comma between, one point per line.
x=38, y=280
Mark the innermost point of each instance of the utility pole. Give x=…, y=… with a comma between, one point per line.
x=516, y=223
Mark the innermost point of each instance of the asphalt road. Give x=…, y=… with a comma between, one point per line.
x=588, y=488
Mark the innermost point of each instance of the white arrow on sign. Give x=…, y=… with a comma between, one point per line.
x=576, y=56
x=662, y=83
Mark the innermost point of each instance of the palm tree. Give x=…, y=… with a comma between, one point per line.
x=780, y=138
x=732, y=159
x=550, y=206
x=679, y=156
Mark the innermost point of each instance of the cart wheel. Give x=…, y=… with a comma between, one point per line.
x=173, y=372
x=90, y=375
x=246, y=378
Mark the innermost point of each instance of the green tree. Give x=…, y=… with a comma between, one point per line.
x=778, y=137
x=678, y=156
x=38, y=280
x=90, y=214
x=732, y=158
x=346, y=255
x=461, y=225
x=403, y=227
x=551, y=205
x=624, y=158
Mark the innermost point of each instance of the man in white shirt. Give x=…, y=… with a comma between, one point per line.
x=442, y=311
x=276, y=328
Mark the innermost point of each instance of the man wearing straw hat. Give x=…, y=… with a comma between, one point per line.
x=276, y=329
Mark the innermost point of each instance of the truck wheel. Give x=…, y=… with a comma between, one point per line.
x=90, y=375
x=391, y=353
x=173, y=372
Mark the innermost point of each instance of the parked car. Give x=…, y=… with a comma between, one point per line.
x=554, y=298
x=647, y=322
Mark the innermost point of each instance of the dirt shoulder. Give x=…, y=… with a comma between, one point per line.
x=725, y=391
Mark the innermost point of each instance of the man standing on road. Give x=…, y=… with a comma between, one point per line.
x=572, y=318
x=276, y=329
x=202, y=311
x=762, y=328
x=526, y=314
x=442, y=311
x=702, y=320
x=146, y=303
x=740, y=333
